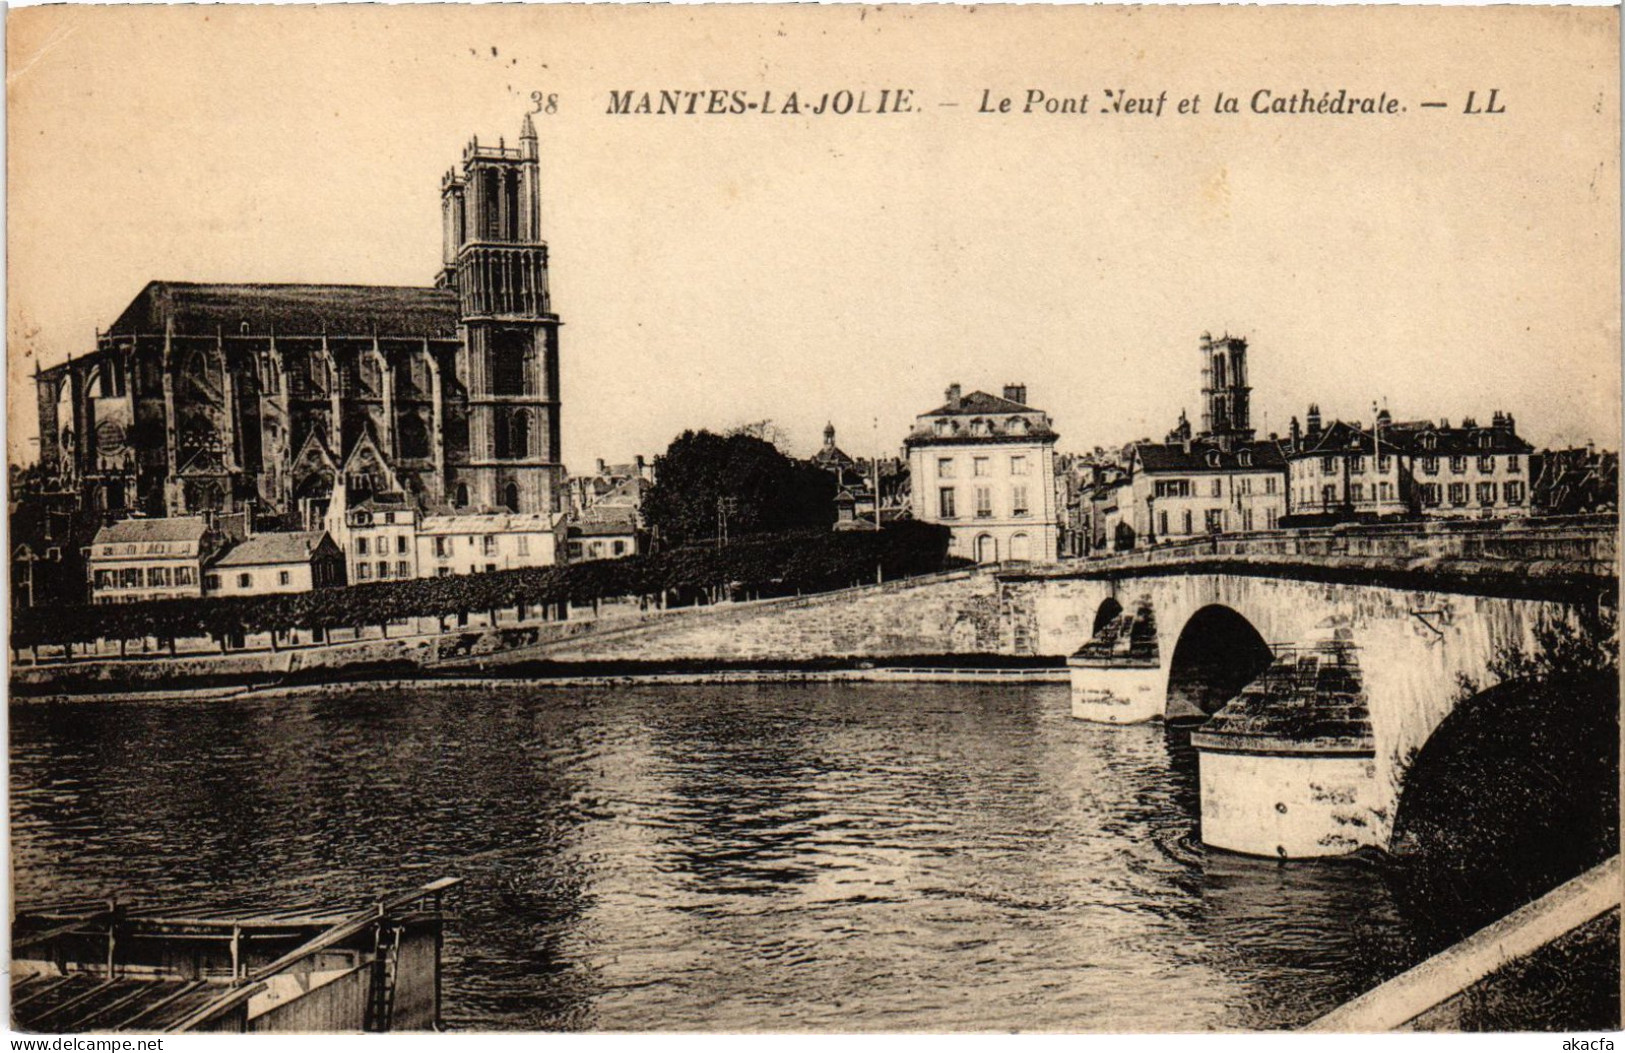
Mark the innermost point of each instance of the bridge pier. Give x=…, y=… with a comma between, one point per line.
x=1124, y=691
x=1118, y=677
x=1288, y=768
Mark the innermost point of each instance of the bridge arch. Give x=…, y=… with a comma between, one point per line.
x=1109, y=609
x=1515, y=792
x=1217, y=653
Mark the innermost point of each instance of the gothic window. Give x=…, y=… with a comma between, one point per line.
x=200, y=378
x=410, y=381
x=519, y=435
x=488, y=197
x=152, y=376
x=508, y=349
x=462, y=495
x=510, y=497
x=368, y=377
x=510, y=190
x=414, y=436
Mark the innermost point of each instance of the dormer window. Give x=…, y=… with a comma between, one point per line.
x=1430, y=442
x=941, y=427
x=1246, y=458
x=1016, y=425
x=978, y=426
x=1213, y=458
x=1485, y=441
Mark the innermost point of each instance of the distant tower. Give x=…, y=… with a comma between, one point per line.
x=1226, y=410
x=496, y=261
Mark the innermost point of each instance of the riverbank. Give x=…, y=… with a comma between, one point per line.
x=1001, y=669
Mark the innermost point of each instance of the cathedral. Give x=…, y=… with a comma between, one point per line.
x=278, y=399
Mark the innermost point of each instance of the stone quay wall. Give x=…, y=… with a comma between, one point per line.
x=954, y=613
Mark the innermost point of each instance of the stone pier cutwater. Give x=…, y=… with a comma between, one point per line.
x=1288, y=767
x=1118, y=677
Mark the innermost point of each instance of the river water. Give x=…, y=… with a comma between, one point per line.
x=778, y=856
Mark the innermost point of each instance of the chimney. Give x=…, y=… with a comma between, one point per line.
x=1016, y=393
x=638, y=460
x=953, y=396
x=600, y=466
x=1295, y=431
x=1314, y=419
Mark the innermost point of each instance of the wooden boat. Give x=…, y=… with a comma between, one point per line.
x=80, y=968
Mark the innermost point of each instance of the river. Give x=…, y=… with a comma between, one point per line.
x=777, y=856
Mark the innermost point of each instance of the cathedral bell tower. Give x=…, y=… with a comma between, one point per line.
x=1226, y=413
x=496, y=262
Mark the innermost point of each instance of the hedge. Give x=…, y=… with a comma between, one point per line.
x=785, y=564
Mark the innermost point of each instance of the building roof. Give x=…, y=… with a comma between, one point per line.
x=941, y=428
x=488, y=523
x=137, y=531
x=261, y=549
x=1409, y=437
x=976, y=403
x=606, y=521
x=832, y=457
x=385, y=502
x=340, y=310
x=1200, y=456
x=628, y=493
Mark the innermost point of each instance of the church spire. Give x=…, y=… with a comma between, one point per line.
x=528, y=148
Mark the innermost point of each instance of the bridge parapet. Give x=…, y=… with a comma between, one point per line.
x=1518, y=555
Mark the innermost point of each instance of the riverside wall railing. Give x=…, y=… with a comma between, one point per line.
x=1587, y=545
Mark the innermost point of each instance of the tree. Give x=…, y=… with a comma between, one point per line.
x=707, y=485
x=765, y=430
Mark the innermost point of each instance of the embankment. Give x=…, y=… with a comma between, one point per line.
x=942, y=621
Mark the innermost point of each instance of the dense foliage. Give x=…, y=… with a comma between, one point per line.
x=705, y=483
x=806, y=561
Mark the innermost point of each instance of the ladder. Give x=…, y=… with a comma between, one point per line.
x=385, y=967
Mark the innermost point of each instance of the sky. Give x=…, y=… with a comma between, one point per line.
x=718, y=270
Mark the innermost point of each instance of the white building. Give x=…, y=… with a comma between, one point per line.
x=282, y=562
x=382, y=542
x=1469, y=470
x=605, y=532
x=483, y=543
x=984, y=466
x=150, y=559
x=1179, y=490
x=1346, y=471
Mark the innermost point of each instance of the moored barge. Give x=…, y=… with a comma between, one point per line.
x=80, y=968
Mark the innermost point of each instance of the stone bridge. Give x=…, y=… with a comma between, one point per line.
x=1317, y=664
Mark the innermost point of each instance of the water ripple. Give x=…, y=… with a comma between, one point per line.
x=838, y=857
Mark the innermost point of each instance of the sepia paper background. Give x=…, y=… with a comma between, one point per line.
x=718, y=269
